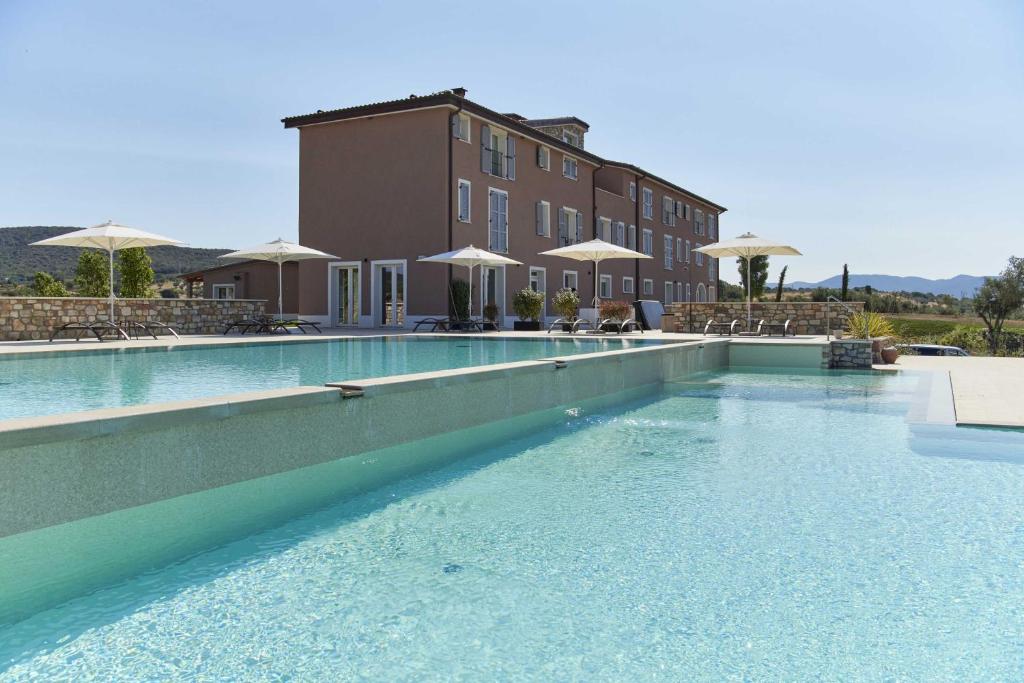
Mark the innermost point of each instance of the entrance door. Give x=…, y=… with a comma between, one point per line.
x=390, y=299
x=492, y=288
x=347, y=311
x=538, y=283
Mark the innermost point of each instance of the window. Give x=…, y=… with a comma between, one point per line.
x=544, y=219
x=572, y=137
x=627, y=285
x=570, y=279
x=687, y=292
x=569, y=167
x=604, y=229
x=699, y=258
x=711, y=269
x=538, y=283
x=698, y=222
x=712, y=226
x=497, y=152
x=461, y=127
x=668, y=211
x=620, y=234
x=544, y=157
x=668, y=252
x=702, y=293
x=605, y=286
x=570, y=226
x=223, y=291
x=686, y=211
x=680, y=213
x=669, y=289
x=632, y=191
x=711, y=293
x=679, y=249
x=679, y=291
x=497, y=222
x=631, y=237
x=648, y=286
x=648, y=246
x=648, y=203
x=687, y=251
x=464, y=187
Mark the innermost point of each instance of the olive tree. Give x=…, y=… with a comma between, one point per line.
x=999, y=298
x=136, y=269
x=92, y=275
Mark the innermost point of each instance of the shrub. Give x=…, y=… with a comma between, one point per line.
x=491, y=312
x=459, y=300
x=565, y=302
x=44, y=284
x=969, y=338
x=614, y=310
x=869, y=324
x=528, y=304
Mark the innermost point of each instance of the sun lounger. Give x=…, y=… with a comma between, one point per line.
x=294, y=323
x=101, y=329
x=619, y=326
x=769, y=329
x=721, y=328
x=136, y=329
x=573, y=325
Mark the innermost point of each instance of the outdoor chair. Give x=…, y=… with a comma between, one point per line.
x=293, y=323
x=135, y=329
x=574, y=325
x=721, y=328
x=619, y=326
x=770, y=329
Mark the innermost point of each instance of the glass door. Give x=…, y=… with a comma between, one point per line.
x=493, y=291
x=538, y=283
x=391, y=297
x=348, y=296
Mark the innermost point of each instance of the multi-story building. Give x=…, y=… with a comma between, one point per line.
x=384, y=184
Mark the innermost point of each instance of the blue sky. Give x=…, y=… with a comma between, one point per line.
x=889, y=135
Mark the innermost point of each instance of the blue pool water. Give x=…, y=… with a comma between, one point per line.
x=740, y=526
x=52, y=384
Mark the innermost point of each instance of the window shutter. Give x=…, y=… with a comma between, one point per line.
x=540, y=219
x=579, y=226
x=563, y=228
x=485, y=140
x=510, y=159
x=456, y=128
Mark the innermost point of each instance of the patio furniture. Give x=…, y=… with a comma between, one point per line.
x=295, y=323
x=770, y=329
x=619, y=326
x=136, y=328
x=573, y=325
x=721, y=328
x=101, y=329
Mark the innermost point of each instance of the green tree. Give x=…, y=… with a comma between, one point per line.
x=44, y=284
x=782, y=281
x=92, y=275
x=758, y=274
x=845, y=287
x=999, y=298
x=136, y=269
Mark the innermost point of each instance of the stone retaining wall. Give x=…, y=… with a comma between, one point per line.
x=24, y=318
x=850, y=354
x=809, y=317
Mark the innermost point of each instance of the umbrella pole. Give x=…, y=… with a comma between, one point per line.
x=469, y=303
x=280, y=292
x=597, y=301
x=110, y=253
x=750, y=293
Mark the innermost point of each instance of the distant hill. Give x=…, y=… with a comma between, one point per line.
x=19, y=262
x=959, y=285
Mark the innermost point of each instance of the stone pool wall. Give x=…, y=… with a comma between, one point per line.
x=23, y=318
x=808, y=317
x=849, y=354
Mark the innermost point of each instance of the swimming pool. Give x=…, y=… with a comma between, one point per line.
x=739, y=525
x=50, y=384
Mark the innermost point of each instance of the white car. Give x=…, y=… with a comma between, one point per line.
x=932, y=350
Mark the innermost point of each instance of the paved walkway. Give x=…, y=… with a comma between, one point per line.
x=986, y=391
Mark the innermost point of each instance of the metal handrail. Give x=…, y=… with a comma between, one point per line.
x=828, y=314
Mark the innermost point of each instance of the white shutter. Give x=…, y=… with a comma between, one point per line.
x=485, y=151
x=510, y=159
x=579, y=226
x=563, y=228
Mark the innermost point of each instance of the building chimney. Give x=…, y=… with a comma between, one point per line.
x=459, y=92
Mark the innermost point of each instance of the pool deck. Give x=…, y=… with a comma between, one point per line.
x=986, y=391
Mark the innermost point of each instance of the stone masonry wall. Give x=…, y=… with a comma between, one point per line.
x=850, y=354
x=34, y=317
x=809, y=317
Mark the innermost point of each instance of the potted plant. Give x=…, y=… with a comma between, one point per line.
x=491, y=316
x=566, y=302
x=873, y=326
x=528, y=306
x=615, y=312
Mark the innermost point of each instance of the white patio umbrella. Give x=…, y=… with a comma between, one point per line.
x=109, y=237
x=471, y=257
x=278, y=251
x=596, y=251
x=747, y=246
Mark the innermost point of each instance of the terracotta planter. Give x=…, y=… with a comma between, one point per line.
x=890, y=354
